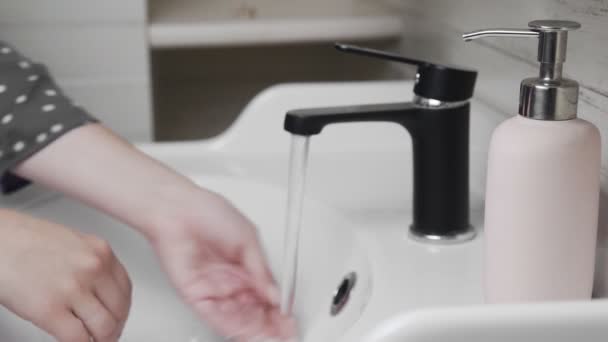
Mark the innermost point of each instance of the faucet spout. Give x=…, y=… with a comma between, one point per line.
x=440, y=140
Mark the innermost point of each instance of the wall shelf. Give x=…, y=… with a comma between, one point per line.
x=190, y=23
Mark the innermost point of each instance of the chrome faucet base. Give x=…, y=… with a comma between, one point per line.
x=449, y=239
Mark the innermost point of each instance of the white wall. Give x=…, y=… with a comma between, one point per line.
x=95, y=49
x=433, y=31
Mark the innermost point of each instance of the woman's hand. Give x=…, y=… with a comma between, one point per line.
x=67, y=283
x=211, y=253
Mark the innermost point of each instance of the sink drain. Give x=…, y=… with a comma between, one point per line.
x=342, y=293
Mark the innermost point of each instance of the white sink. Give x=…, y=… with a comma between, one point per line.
x=355, y=220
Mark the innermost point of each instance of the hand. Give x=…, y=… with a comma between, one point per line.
x=67, y=283
x=214, y=259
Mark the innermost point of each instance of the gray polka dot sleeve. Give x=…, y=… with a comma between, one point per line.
x=33, y=113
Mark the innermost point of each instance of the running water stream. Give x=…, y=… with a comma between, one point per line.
x=295, y=196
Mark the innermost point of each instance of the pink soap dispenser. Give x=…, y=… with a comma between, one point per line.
x=543, y=184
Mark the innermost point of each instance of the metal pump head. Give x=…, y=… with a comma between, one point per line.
x=548, y=96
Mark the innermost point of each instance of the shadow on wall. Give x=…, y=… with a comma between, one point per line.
x=603, y=220
x=601, y=264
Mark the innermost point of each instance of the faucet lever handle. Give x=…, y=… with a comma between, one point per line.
x=358, y=50
x=433, y=81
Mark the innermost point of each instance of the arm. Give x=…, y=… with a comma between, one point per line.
x=209, y=249
x=93, y=165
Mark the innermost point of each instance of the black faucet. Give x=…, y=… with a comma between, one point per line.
x=438, y=122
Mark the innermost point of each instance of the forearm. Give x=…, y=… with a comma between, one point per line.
x=95, y=166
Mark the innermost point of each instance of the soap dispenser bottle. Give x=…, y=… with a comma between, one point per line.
x=542, y=190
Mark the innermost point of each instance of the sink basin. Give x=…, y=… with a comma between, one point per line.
x=158, y=314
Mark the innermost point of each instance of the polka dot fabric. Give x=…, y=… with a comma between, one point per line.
x=33, y=113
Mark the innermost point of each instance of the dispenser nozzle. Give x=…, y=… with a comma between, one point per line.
x=499, y=32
